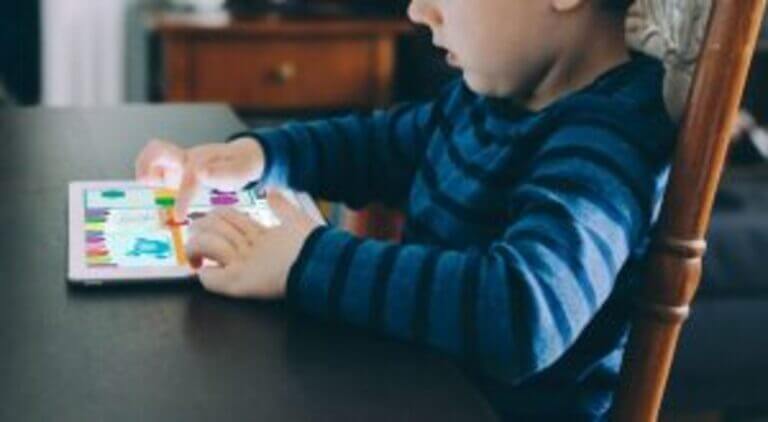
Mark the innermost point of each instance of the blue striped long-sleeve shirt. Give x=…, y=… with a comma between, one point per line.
x=524, y=230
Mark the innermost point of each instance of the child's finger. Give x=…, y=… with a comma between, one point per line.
x=210, y=246
x=250, y=228
x=155, y=177
x=155, y=153
x=143, y=162
x=217, y=222
x=187, y=190
x=217, y=280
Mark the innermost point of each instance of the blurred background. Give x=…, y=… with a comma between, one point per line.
x=91, y=53
x=108, y=52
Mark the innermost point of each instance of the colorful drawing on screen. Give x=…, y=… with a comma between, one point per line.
x=223, y=198
x=113, y=194
x=149, y=247
x=141, y=250
x=133, y=227
x=97, y=254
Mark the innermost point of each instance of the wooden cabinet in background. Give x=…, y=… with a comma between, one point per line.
x=276, y=64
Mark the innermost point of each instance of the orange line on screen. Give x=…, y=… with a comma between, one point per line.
x=178, y=243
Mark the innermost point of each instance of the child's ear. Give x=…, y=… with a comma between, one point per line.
x=566, y=5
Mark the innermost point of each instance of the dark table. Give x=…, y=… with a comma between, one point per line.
x=173, y=352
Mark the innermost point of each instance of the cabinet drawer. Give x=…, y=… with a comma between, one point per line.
x=283, y=73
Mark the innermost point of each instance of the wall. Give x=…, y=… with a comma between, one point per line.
x=94, y=52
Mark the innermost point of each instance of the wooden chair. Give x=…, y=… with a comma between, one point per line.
x=674, y=263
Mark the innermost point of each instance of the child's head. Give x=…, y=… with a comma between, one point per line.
x=504, y=46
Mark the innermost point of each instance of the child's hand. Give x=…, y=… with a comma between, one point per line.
x=218, y=166
x=254, y=260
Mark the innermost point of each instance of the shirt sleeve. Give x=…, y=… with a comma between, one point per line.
x=513, y=308
x=355, y=159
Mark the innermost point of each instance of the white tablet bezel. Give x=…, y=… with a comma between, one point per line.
x=78, y=271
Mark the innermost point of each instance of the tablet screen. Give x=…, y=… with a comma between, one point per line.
x=130, y=227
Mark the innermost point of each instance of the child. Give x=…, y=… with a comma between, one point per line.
x=530, y=187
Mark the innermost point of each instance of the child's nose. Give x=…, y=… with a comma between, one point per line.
x=423, y=12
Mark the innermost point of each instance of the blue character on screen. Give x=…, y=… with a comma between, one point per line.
x=153, y=248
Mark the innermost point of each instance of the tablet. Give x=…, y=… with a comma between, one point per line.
x=119, y=232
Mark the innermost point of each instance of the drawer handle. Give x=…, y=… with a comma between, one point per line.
x=284, y=72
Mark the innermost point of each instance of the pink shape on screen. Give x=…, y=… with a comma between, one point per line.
x=223, y=200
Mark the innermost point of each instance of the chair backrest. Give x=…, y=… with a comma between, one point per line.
x=673, y=31
x=674, y=265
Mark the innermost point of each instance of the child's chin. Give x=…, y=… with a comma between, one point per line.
x=478, y=85
x=486, y=87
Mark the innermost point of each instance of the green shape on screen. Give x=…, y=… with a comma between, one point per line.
x=165, y=201
x=113, y=194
